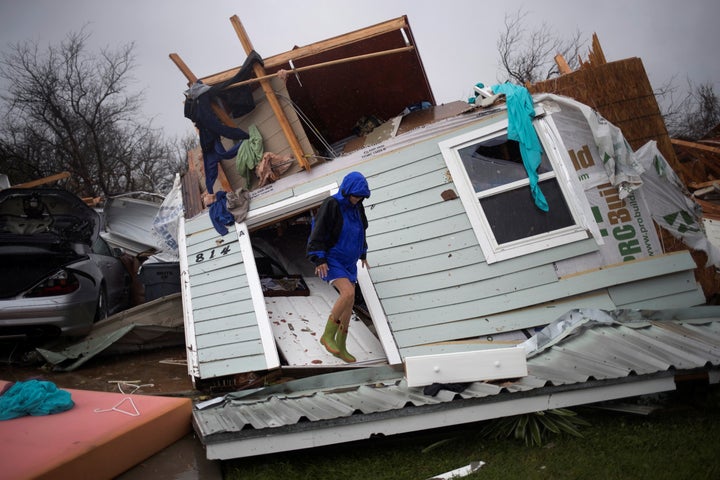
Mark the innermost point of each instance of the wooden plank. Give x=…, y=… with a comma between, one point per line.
x=43, y=181
x=425, y=154
x=473, y=366
x=405, y=167
x=282, y=59
x=270, y=95
x=562, y=64
x=460, y=281
x=329, y=63
x=695, y=146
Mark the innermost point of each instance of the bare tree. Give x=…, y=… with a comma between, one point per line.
x=528, y=56
x=68, y=110
x=693, y=116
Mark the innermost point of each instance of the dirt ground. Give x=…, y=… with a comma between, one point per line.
x=156, y=372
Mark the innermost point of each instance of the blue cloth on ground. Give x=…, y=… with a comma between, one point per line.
x=219, y=213
x=520, y=114
x=33, y=397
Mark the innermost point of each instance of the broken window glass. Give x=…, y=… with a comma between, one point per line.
x=501, y=184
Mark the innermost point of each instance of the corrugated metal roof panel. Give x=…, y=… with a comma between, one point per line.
x=619, y=351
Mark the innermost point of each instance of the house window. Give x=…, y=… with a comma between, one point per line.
x=488, y=171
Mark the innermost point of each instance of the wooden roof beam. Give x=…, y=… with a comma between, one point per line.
x=282, y=59
x=695, y=146
x=270, y=95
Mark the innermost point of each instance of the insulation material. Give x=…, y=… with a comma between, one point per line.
x=671, y=204
x=625, y=224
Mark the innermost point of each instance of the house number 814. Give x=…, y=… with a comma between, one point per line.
x=200, y=257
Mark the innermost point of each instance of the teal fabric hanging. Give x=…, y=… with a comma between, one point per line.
x=520, y=114
x=249, y=154
x=33, y=397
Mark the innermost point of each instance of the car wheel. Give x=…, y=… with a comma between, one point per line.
x=101, y=311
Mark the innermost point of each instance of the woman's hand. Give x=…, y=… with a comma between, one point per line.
x=321, y=270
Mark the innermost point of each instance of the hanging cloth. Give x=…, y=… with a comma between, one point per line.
x=220, y=216
x=249, y=154
x=520, y=114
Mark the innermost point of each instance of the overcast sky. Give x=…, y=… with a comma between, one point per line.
x=456, y=39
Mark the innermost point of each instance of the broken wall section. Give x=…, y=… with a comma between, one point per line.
x=621, y=92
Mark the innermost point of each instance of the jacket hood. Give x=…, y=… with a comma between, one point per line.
x=355, y=184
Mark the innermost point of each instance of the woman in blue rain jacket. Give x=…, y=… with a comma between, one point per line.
x=336, y=243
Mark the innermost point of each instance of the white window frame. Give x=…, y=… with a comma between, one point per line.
x=493, y=251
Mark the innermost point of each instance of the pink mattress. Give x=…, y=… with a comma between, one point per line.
x=103, y=435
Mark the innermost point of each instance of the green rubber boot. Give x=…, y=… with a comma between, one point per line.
x=340, y=340
x=328, y=337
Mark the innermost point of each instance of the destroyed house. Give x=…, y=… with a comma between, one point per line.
x=463, y=261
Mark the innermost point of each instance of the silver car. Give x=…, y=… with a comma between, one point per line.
x=57, y=276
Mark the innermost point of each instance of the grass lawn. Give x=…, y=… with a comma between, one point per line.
x=680, y=440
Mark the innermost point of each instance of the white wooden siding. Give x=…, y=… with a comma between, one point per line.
x=227, y=337
x=434, y=284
